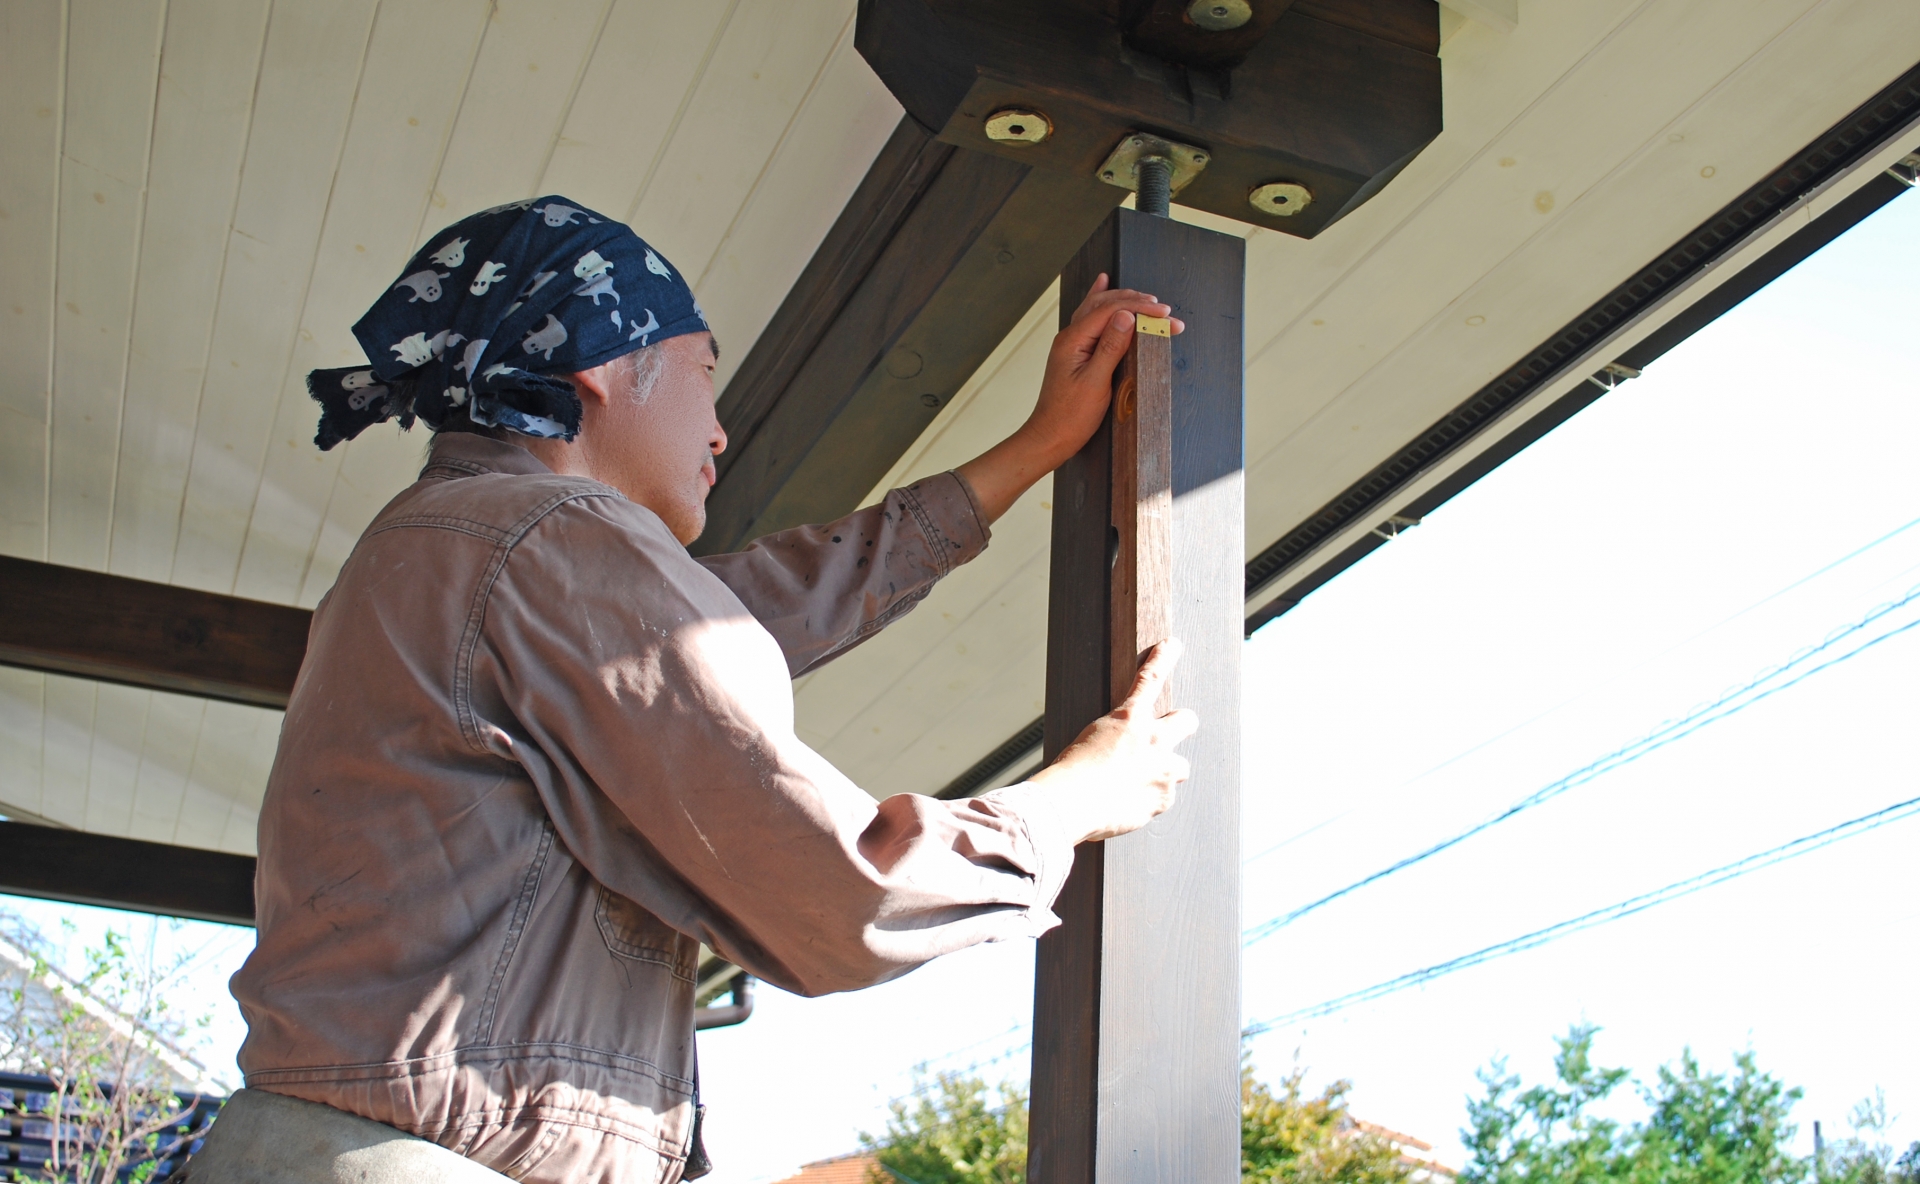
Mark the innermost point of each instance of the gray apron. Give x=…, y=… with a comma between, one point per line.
x=268, y=1138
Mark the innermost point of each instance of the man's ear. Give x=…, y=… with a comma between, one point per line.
x=598, y=384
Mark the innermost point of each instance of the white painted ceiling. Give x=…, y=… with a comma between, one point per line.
x=198, y=197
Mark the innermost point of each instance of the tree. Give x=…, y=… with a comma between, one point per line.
x=1545, y=1132
x=954, y=1129
x=1701, y=1127
x=101, y=1038
x=1865, y=1157
x=951, y=1131
x=1286, y=1138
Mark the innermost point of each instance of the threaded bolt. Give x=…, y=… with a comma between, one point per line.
x=1156, y=181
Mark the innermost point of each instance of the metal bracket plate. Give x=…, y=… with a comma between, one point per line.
x=1122, y=168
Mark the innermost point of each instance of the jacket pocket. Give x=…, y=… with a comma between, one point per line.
x=632, y=932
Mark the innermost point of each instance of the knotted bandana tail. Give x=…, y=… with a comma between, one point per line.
x=493, y=313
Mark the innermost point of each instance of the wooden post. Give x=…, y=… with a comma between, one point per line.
x=1137, y=994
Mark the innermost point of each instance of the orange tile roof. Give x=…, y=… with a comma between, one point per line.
x=857, y=1168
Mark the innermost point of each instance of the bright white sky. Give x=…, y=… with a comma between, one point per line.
x=1567, y=605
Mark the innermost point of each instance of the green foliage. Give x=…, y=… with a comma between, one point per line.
x=1700, y=1128
x=95, y=1037
x=1286, y=1138
x=1545, y=1133
x=955, y=1130
x=1711, y=1128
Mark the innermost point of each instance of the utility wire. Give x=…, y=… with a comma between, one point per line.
x=1765, y=600
x=1728, y=704
x=1625, y=908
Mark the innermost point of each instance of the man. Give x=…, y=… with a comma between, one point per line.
x=538, y=754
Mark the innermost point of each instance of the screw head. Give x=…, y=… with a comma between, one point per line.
x=930, y=400
x=1218, y=16
x=1281, y=199
x=1017, y=126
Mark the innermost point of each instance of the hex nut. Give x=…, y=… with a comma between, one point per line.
x=1217, y=16
x=1018, y=126
x=1282, y=199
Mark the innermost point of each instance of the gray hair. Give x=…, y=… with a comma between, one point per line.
x=644, y=367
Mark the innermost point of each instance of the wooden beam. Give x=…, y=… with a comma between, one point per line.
x=938, y=255
x=66, y=620
x=1136, y=994
x=1334, y=95
x=952, y=236
x=115, y=873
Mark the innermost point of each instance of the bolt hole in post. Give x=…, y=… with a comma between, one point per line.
x=1156, y=185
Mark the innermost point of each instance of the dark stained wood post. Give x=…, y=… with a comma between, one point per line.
x=1136, y=1048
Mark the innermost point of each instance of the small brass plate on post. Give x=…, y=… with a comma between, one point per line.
x=1157, y=326
x=1122, y=168
x=1282, y=199
x=1017, y=126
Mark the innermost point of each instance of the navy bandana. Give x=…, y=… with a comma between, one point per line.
x=494, y=312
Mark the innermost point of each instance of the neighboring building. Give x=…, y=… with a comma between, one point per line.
x=26, y=1126
x=1415, y=1153
x=858, y=1167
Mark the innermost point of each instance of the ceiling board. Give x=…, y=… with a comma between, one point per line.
x=113, y=59
x=32, y=40
x=209, y=65
x=632, y=99
x=315, y=52
x=404, y=113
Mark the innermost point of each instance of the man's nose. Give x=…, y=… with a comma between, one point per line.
x=718, y=442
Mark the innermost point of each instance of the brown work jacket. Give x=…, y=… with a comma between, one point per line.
x=536, y=755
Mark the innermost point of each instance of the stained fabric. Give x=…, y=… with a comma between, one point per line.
x=492, y=314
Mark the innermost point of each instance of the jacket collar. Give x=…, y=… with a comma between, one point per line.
x=464, y=454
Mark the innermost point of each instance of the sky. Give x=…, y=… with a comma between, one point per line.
x=1738, y=506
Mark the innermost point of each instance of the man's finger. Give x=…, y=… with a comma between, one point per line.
x=1110, y=348
x=1099, y=285
x=1111, y=295
x=1152, y=675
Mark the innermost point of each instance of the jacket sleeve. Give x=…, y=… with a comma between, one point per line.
x=821, y=590
x=654, y=716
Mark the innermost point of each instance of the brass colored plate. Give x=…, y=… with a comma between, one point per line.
x=1158, y=326
x=1122, y=168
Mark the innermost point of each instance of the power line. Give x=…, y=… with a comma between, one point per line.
x=1667, y=733
x=1765, y=600
x=1615, y=912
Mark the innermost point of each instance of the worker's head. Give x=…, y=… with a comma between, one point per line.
x=547, y=324
x=648, y=429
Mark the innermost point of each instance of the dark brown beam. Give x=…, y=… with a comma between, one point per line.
x=114, y=873
x=1137, y=994
x=951, y=236
x=1335, y=95
x=933, y=261
x=69, y=621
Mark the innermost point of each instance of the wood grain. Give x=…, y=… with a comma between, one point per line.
x=69, y=621
x=1136, y=1003
x=1140, y=589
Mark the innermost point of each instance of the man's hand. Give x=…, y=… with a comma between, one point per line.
x=1073, y=396
x=1120, y=773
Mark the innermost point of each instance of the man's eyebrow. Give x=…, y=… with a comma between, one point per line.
x=713, y=345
